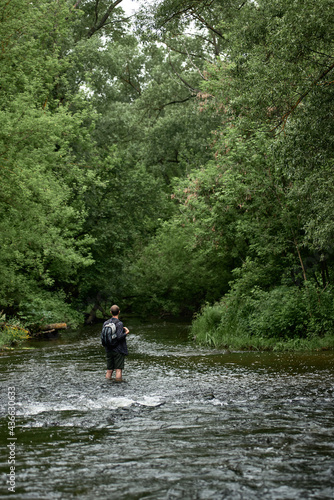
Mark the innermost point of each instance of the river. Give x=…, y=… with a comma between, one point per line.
x=186, y=423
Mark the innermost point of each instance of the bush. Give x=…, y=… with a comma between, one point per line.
x=281, y=313
x=47, y=307
x=12, y=333
x=267, y=319
x=205, y=324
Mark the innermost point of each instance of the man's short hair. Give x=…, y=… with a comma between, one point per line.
x=114, y=310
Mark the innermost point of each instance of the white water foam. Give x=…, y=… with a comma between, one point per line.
x=83, y=404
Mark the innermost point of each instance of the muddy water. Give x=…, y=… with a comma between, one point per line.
x=185, y=424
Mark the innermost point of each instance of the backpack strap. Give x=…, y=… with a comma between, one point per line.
x=115, y=322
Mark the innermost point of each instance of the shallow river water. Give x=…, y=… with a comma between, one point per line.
x=184, y=424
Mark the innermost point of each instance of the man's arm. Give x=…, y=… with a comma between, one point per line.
x=121, y=331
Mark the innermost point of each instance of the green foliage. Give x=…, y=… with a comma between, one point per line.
x=175, y=273
x=43, y=307
x=169, y=167
x=77, y=202
x=261, y=210
x=149, y=130
x=205, y=324
x=119, y=218
x=259, y=319
x=41, y=215
x=12, y=333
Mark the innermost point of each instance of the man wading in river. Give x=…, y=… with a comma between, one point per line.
x=116, y=354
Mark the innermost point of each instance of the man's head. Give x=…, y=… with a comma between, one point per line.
x=114, y=310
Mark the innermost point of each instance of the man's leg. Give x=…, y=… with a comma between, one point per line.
x=118, y=374
x=110, y=364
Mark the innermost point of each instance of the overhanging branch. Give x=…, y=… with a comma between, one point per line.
x=196, y=91
x=299, y=100
x=98, y=25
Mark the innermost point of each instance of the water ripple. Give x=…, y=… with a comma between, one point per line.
x=184, y=424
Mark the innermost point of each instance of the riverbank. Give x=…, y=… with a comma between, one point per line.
x=12, y=335
x=246, y=323
x=254, y=343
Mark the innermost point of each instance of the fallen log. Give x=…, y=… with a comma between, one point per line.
x=54, y=326
x=49, y=331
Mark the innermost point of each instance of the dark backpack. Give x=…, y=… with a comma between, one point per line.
x=108, y=335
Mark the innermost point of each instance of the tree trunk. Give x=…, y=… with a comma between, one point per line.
x=300, y=260
x=92, y=315
x=324, y=273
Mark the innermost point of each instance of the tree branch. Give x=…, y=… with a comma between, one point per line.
x=182, y=79
x=299, y=100
x=176, y=14
x=96, y=10
x=104, y=19
x=129, y=82
x=194, y=65
x=241, y=6
x=300, y=259
x=185, y=53
x=174, y=102
x=207, y=25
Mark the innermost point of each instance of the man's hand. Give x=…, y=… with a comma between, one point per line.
x=126, y=330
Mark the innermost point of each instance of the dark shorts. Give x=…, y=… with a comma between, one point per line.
x=115, y=360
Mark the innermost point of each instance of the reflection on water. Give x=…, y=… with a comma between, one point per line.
x=185, y=423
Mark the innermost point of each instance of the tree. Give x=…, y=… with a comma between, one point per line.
x=148, y=130
x=257, y=207
x=42, y=244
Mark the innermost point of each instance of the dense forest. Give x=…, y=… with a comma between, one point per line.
x=178, y=162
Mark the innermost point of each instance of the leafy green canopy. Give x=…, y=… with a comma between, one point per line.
x=42, y=245
x=148, y=130
x=164, y=168
x=95, y=125
x=261, y=208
